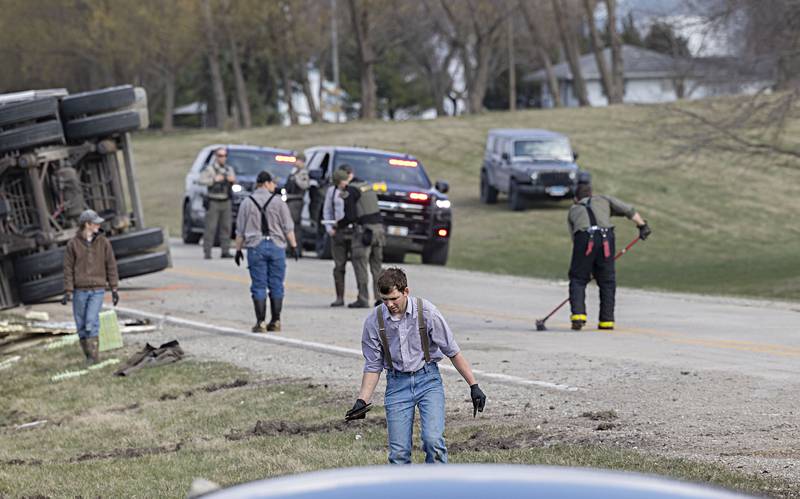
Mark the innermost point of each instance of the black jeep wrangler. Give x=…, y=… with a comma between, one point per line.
x=416, y=212
x=529, y=164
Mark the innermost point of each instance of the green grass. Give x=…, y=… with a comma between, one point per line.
x=94, y=417
x=721, y=223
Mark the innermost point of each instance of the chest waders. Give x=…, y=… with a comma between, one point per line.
x=423, y=334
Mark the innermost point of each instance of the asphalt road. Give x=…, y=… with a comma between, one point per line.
x=697, y=377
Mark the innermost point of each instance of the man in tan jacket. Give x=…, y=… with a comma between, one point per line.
x=89, y=265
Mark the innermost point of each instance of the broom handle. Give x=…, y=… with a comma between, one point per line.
x=616, y=257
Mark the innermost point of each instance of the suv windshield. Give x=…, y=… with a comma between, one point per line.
x=373, y=167
x=251, y=163
x=545, y=149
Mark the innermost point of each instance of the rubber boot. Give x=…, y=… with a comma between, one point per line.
x=339, y=295
x=94, y=350
x=260, y=307
x=275, y=306
x=578, y=325
x=87, y=354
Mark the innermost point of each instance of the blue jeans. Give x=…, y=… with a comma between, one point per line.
x=404, y=392
x=86, y=305
x=267, y=265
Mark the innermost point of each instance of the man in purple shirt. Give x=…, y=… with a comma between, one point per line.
x=409, y=345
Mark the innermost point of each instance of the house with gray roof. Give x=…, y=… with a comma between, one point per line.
x=652, y=77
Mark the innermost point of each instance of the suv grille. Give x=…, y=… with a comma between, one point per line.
x=549, y=179
x=398, y=211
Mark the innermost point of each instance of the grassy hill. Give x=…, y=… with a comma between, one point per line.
x=721, y=224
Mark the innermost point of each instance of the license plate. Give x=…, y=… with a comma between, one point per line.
x=397, y=230
x=558, y=190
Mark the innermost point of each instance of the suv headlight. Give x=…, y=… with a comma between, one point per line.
x=534, y=176
x=236, y=188
x=573, y=175
x=443, y=203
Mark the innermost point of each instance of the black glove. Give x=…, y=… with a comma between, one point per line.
x=239, y=257
x=114, y=297
x=644, y=231
x=359, y=411
x=65, y=299
x=294, y=252
x=478, y=399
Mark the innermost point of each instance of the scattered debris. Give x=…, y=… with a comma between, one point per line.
x=605, y=426
x=151, y=356
x=274, y=428
x=32, y=424
x=600, y=415
x=105, y=363
x=62, y=342
x=20, y=462
x=128, y=453
x=68, y=374
x=224, y=386
x=482, y=440
x=9, y=362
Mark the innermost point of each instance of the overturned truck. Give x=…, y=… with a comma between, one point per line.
x=59, y=155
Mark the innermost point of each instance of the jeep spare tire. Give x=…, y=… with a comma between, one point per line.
x=97, y=101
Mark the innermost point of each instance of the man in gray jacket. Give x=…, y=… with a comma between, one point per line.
x=219, y=178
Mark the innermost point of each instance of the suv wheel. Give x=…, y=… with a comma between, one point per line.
x=488, y=193
x=189, y=236
x=515, y=200
x=436, y=253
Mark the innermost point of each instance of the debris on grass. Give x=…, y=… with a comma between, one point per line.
x=605, y=426
x=68, y=375
x=600, y=415
x=9, y=362
x=128, y=453
x=105, y=363
x=68, y=340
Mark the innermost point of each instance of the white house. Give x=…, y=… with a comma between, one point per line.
x=652, y=77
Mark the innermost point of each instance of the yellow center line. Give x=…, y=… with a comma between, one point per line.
x=671, y=337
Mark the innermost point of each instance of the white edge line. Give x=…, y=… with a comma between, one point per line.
x=322, y=347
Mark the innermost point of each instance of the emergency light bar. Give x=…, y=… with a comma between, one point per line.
x=403, y=162
x=285, y=159
x=417, y=196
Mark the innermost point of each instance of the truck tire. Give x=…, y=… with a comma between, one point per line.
x=324, y=247
x=436, y=253
x=148, y=263
x=48, y=132
x=97, y=101
x=102, y=125
x=20, y=112
x=488, y=193
x=41, y=289
x=515, y=199
x=43, y=263
x=187, y=234
x=138, y=241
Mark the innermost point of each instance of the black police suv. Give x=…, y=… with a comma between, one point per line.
x=416, y=212
x=528, y=164
x=247, y=162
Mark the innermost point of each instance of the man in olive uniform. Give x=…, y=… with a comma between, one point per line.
x=593, y=250
x=339, y=229
x=219, y=178
x=368, y=240
x=296, y=186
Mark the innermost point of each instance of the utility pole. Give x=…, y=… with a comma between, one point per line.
x=512, y=72
x=335, y=57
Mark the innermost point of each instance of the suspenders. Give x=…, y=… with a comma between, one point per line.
x=595, y=228
x=423, y=334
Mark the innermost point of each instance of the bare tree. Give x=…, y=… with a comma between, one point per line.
x=617, y=70
x=220, y=100
x=565, y=21
x=360, y=17
x=598, y=48
x=541, y=51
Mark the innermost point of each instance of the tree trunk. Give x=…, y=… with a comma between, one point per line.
x=313, y=110
x=288, y=95
x=512, y=73
x=597, y=47
x=369, y=94
x=169, y=102
x=476, y=85
x=220, y=101
x=617, y=65
x=552, y=82
x=571, y=51
x=242, y=99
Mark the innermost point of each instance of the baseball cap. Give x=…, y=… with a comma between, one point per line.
x=263, y=177
x=90, y=216
x=340, y=175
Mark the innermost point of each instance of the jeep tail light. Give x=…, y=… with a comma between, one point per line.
x=285, y=159
x=442, y=232
x=418, y=196
x=403, y=162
